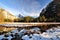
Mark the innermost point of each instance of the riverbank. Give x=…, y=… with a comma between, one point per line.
x=33, y=34
x=4, y=29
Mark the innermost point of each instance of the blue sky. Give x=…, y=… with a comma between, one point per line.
x=24, y=7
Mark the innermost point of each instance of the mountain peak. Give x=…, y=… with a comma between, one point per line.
x=20, y=16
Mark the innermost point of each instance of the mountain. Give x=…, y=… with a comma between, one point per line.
x=6, y=16
x=51, y=12
x=20, y=16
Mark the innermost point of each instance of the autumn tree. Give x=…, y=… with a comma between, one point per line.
x=28, y=19
x=42, y=19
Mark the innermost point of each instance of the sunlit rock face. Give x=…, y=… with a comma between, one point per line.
x=1, y=15
x=4, y=15
x=52, y=11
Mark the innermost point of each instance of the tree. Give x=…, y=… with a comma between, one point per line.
x=19, y=20
x=42, y=19
x=7, y=20
x=51, y=19
x=28, y=19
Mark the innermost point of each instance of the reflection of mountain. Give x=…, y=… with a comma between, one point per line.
x=52, y=11
x=6, y=15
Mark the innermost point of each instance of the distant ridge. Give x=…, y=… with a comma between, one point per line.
x=20, y=16
x=4, y=15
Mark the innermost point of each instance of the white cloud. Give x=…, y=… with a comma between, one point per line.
x=24, y=13
x=34, y=14
x=30, y=5
x=30, y=8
